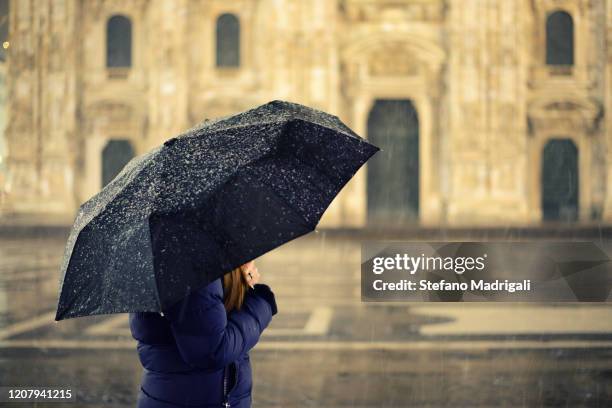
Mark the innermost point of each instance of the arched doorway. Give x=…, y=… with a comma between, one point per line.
x=115, y=155
x=560, y=180
x=393, y=173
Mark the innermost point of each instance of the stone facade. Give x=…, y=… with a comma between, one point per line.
x=2, y=122
x=487, y=101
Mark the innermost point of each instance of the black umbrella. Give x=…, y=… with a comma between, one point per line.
x=203, y=203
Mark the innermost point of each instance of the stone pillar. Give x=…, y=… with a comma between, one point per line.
x=607, y=213
x=487, y=125
x=168, y=70
x=42, y=106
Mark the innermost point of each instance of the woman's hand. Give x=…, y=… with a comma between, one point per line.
x=250, y=273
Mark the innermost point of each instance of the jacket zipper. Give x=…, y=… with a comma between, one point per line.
x=226, y=403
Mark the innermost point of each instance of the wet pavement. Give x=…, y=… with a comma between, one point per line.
x=325, y=348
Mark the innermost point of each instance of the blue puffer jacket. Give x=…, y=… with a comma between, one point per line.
x=196, y=353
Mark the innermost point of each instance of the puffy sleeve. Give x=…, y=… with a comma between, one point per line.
x=207, y=337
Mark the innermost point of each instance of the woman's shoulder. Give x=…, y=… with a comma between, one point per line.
x=214, y=288
x=200, y=300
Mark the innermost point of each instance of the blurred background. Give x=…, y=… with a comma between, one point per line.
x=493, y=117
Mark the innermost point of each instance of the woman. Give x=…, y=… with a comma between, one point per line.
x=196, y=353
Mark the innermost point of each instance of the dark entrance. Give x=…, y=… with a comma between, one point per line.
x=560, y=180
x=115, y=155
x=393, y=173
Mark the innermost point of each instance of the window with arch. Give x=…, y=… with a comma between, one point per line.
x=559, y=38
x=228, y=41
x=119, y=42
x=115, y=155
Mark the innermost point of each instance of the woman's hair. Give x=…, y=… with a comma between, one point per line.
x=234, y=288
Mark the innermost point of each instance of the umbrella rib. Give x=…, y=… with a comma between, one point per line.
x=290, y=205
x=276, y=194
x=324, y=172
x=155, y=285
x=210, y=131
x=88, y=218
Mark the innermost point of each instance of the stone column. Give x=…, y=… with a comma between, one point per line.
x=168, y=70
x=607, y=213
x=487, y=125
x=42, y=108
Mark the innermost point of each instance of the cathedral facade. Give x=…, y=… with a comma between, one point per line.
x=489, y=112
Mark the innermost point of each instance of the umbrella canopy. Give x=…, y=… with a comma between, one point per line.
x=203, y=203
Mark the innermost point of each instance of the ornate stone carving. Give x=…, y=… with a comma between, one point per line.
x=402, y=10
x=565, y=115
x=115, y=111
x=392, y=61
